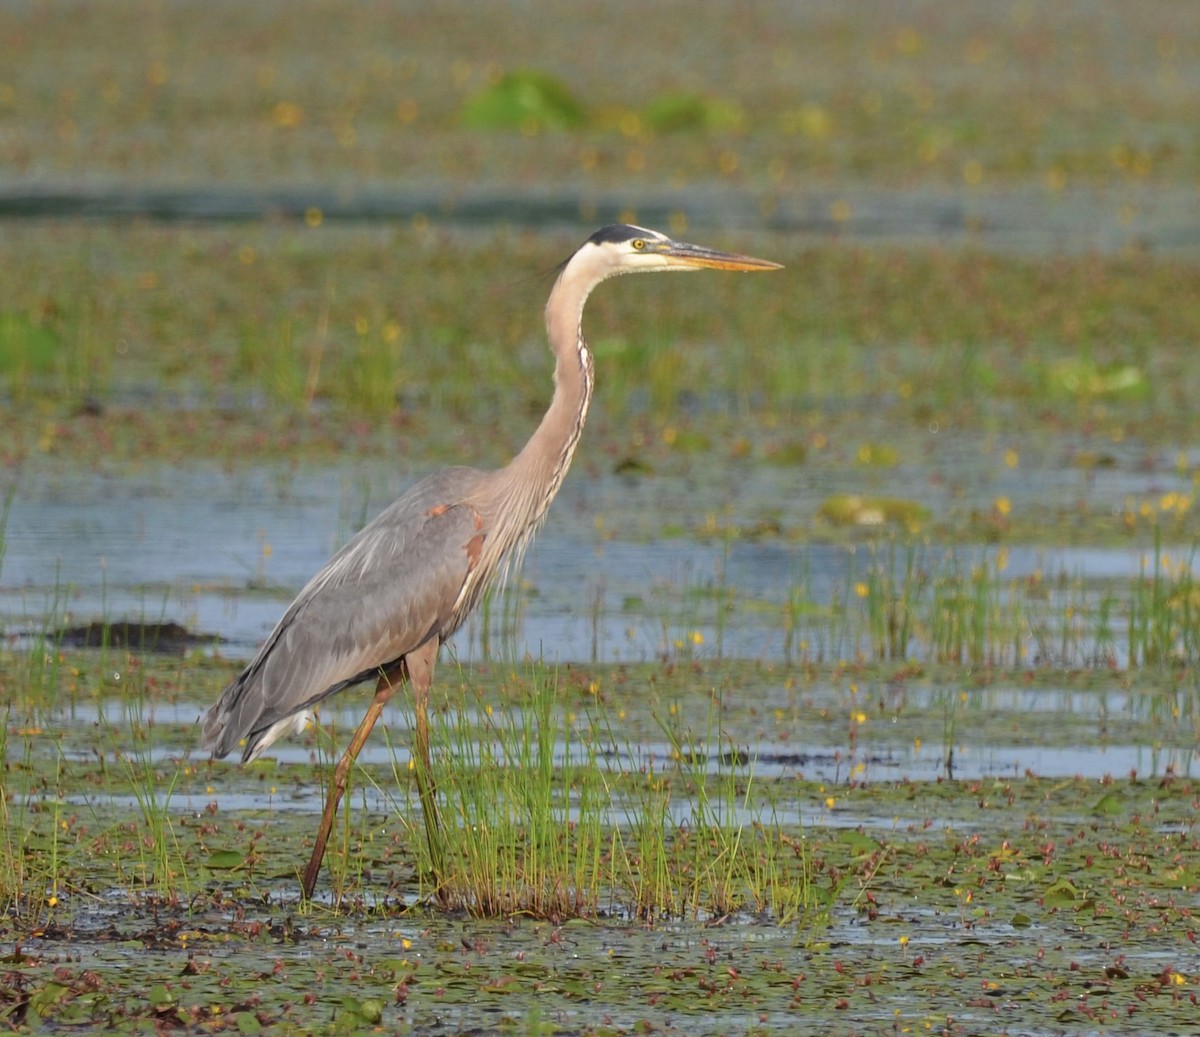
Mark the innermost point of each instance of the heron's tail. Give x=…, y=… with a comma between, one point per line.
x=221, y=735
x=238, y=719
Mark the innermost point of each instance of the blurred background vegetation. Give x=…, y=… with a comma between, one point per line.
x=768, y=96
x=280, y=224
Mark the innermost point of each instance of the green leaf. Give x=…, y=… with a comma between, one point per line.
x=26, y=347
x=247, y=1022
x=1060, y=894
x=160, y=997
x=225, y=860
x=1108, y=804
x=675, y=113
x=48, y=996
x=524, y=99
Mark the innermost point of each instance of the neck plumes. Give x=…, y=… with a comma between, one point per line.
x=541, y=466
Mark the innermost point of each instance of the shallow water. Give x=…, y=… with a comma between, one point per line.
x=939, y=799
x=223, y=552
x=1022, y=219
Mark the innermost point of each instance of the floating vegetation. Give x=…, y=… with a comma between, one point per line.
x=1083, y=378
x=526, y=100
x=851, y=509
x=29, y=352
x=682, y=113
x=636, y=838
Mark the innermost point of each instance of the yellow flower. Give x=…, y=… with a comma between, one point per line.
x=287, y=115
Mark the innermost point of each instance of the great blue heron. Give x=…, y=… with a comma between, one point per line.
x=382, y=606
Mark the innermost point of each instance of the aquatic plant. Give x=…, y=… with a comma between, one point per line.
x=524, y=99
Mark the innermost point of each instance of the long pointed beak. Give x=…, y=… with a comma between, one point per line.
x=686, y=255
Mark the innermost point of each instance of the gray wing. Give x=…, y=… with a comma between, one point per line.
x=393, y=586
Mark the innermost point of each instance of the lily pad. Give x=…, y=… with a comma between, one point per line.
x=850, y=509
x=1060, y=894
x=225, y=860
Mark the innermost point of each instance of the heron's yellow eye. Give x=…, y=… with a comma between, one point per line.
x=639, y=244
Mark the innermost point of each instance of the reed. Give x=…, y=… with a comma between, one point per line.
x=523, y=801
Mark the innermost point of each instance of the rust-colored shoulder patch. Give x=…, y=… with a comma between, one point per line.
x=438, y=510
x=475, y=549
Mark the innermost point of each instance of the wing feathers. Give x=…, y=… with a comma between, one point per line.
x=389, y=590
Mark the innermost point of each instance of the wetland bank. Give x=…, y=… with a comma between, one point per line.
x=851, y=685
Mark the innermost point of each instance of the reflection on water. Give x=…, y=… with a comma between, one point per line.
x=224, y=552
x=879, y=753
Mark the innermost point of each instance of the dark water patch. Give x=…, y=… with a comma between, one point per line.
x=1026, y=219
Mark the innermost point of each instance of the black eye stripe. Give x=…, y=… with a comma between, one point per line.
x=617, y=233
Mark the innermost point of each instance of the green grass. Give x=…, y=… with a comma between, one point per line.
x=336, y=339
x=540, y=819
x=524, y=827
x=979, y=96
x=908, y=601
x=676, y=836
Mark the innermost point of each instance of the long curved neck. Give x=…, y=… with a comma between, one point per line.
x=542, y=464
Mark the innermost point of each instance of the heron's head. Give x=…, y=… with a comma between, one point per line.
x=623, y=248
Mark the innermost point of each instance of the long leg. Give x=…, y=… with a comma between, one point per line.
x=384, y=689
x=420, y=672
